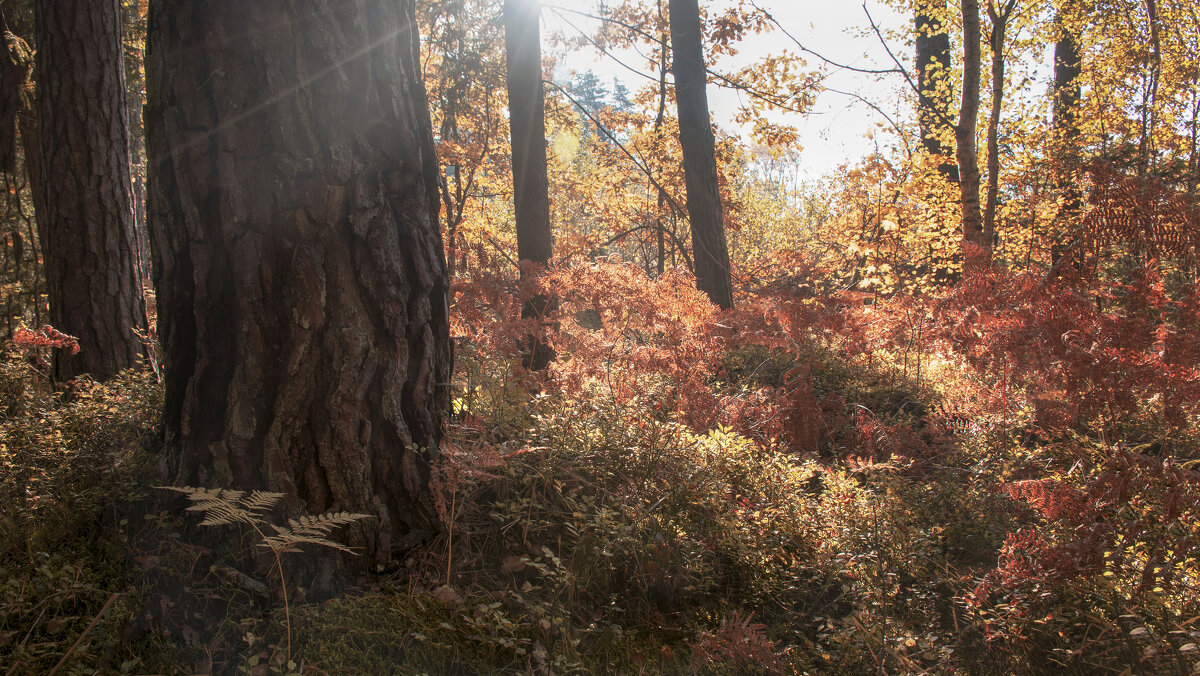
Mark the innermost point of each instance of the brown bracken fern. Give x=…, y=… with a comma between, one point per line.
x=223, y=507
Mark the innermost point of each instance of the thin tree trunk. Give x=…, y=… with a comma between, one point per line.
x=88, y=239
x=709, y=247
x=27, y=125
x=522, y=42
x=663, y=69
x=1067, y=94
x=527, y=122
x=1150, y=94
x=299, y=265
x=999, y=18
x=16, y=66
x=135, y=102
x=975, y=247
x=1193, y=171
x=933, y=83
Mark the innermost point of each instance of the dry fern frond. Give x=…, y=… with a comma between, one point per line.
x=221, y=507
x=310, y=529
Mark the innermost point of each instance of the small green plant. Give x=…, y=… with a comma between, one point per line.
x=223, y=507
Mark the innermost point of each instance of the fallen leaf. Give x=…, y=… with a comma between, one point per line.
x=446, y=594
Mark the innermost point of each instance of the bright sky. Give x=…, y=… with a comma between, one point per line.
x=839, y=128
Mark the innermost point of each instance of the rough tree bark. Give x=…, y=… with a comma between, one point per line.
x=527, y=124
x=975, y=247
x=710, y=249
x=299, y=266
x=933, y=83
x=86, y=213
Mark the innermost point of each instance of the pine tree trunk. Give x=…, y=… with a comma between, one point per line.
x=933, y=83
x=975, y=247
x=86, y=212
x=527, y=124
x=710, y=249
x=299, y=266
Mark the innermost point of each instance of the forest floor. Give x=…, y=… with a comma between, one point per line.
x=816, y=482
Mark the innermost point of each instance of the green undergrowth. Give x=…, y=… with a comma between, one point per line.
x=68, y=463
x=586, y=534
x=611, y=538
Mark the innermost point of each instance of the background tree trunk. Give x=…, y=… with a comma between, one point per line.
x=86, y=213
x=16, y=66
x=527, y=123
x=1065, y=138
x=710, y=250
x=299, y=266
x=975, y=245
x=1149, y=107
x=134, y=27
x=999, y=16
x=933, y=82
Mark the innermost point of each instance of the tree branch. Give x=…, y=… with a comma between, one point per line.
x=942, y=116
x=806, y=50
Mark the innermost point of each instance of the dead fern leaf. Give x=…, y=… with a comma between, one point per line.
x=310, y=530
x=222, y=507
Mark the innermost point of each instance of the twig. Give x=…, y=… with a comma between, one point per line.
x=899, y=132
x=107, y=604
x=643, y=168
x=835, y=64
x=603, y=51
x=942, y=117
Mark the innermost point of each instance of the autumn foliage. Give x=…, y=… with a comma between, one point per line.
x=880, y=460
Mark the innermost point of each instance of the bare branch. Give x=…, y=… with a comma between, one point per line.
x=806, y=50
x=942, y=117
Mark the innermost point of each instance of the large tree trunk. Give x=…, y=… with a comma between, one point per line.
x=300, y=271
x=933, y=83
x=710, y=250
x=86, y=212
x=527, y=124
x=975, y=248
